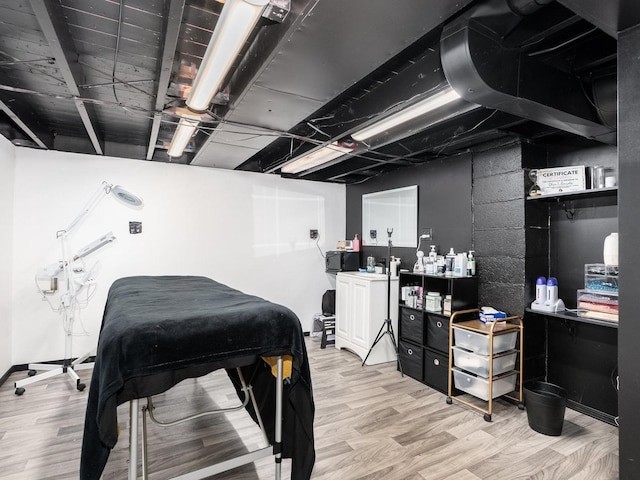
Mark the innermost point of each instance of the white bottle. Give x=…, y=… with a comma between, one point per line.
x=541, y=291
x=460, y=265
x=552, y=291
x=449, y=263
x=432, y=261
x=471, y=264
x=430, y=267
x=419, y=266
x=610, y=251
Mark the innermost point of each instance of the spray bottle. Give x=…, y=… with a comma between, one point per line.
x=471, y=264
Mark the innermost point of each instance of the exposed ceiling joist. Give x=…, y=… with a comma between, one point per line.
x=52, y=21
x=171, y=28
x=21, y=124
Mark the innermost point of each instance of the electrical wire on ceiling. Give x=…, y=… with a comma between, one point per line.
x=115, y=53
x=31, y=68
x=116, y=79
x=563, y=44
x=475, y=127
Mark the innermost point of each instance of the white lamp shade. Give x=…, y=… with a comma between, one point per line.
x=237, y=20
x=126, y=196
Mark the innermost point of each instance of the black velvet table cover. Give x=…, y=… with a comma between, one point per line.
x=157, y=331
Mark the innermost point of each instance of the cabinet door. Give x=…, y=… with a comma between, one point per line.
x=343, y=296
x=360, y=313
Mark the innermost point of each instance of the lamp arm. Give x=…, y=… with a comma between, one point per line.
x=93, y=202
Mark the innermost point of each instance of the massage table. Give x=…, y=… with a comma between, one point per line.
x=158, y=331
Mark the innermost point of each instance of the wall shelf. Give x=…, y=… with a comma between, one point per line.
x=573, y=316
x=590, y=193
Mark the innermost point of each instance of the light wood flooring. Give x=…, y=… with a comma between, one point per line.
x=370, y=423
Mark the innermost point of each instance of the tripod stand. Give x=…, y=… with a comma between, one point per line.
x=387, y=321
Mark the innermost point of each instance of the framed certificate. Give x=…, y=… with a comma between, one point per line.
x=558, y=180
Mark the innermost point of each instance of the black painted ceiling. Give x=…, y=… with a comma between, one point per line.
x=108, y=77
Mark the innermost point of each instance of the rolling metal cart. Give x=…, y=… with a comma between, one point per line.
x=485, y=360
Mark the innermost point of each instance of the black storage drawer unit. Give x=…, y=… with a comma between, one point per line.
x=411, y=360
x=437, y=331
x=411, y=325
x=424, y=335
x=436, y=369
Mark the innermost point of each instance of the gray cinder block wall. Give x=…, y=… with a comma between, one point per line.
x=498, y=203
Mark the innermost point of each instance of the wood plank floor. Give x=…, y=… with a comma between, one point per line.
x=370, y=423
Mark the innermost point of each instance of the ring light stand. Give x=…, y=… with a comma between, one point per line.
x=387, y=321
x=74, y=281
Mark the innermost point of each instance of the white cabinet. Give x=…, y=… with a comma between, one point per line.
x=361, y=310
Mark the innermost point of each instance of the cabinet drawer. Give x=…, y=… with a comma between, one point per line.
x=411, y=360
x=411, y=325
x=436, y=370
x=437, y=332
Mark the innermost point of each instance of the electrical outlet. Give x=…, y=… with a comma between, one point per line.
x=313, y=234
x=135, y=227
x=373, y=234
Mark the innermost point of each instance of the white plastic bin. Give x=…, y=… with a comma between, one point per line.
x=479, y=343
x=479, y=387
x=479, y=364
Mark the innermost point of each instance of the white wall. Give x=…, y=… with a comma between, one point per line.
x=249, y=231
x=7, y=167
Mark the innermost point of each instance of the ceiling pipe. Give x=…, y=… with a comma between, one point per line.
x=483, y=70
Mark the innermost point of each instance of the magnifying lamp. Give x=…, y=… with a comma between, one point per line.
x=72, y=281
x=125, y=196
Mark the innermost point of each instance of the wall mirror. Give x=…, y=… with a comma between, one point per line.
x=397, y=209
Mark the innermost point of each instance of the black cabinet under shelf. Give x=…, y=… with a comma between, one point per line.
x=582, y=358
x=423, y=335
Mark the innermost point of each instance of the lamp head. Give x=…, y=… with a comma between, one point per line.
x=125, y=196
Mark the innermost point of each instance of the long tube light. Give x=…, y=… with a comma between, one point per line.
x=420, y=108
x=184, y=131
x=237, y=20
x=316, y=157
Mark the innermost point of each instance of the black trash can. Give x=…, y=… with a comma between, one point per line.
x=545, y=404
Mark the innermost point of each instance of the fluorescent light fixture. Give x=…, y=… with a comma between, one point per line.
x=237, y=20
x=420, y=108
x=316, y=157
x=184, y=131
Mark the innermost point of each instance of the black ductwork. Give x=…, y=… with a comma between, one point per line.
x=483, y=70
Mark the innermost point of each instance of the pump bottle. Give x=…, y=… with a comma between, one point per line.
x=449, y=265
x=355, y=244
x=471, y=264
